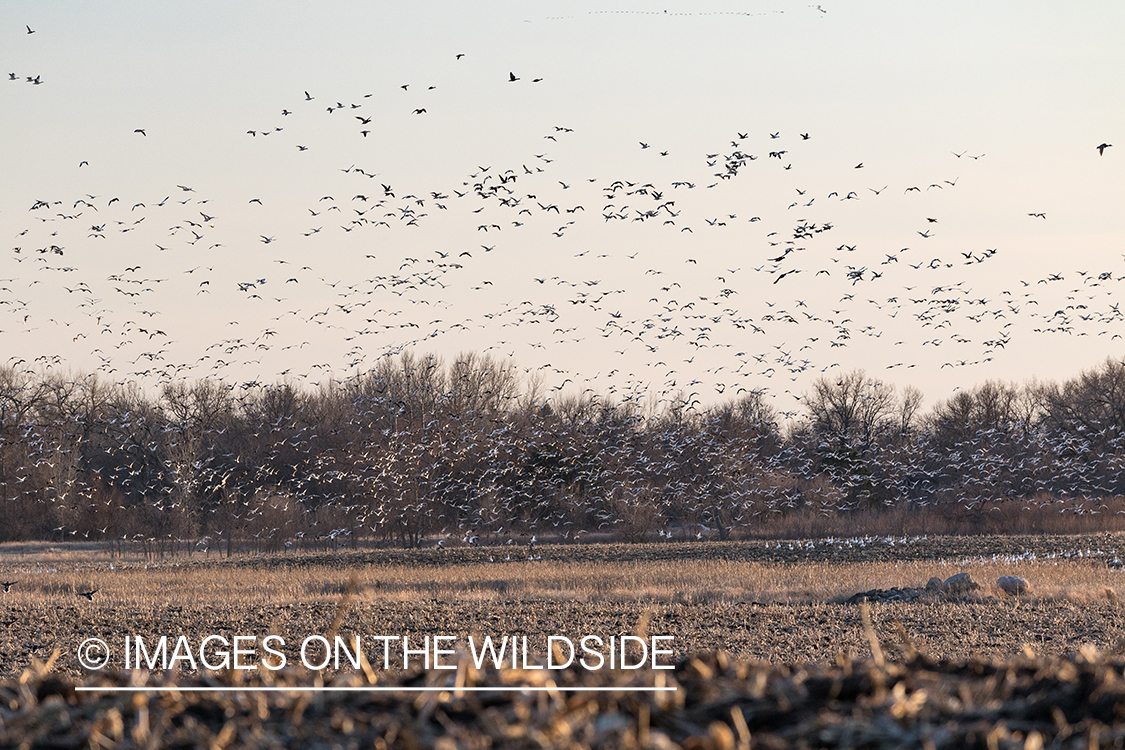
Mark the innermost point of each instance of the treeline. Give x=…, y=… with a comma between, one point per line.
x=470, y=450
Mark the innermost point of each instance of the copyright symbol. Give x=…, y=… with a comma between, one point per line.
x=93, y=653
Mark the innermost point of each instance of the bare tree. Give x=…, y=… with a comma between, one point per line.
x=851, y=408
x=1093, y=402
x=908, y=410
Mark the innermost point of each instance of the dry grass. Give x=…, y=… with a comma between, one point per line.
x=707, y=596
x=130, y=583
x=760, y=600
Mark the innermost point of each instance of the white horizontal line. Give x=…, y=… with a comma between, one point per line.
x=363, y=689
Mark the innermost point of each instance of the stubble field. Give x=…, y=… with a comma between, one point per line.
x=766, y=652
x=777, y=601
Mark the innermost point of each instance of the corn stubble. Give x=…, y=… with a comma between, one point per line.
x=719, y=702
x=766, y=654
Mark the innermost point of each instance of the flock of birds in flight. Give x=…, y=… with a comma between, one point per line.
x=755, y=290
x=751, y=303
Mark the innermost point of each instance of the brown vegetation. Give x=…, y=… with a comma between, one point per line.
x=769, y=600
x=988, y=670
x=717, y=703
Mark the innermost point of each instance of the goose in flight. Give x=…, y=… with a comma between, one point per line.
x=1103, y=147
x=88, y=594
x=8, y=585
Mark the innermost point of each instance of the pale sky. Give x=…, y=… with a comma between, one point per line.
x=699, y=280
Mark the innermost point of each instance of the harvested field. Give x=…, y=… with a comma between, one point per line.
x=778, y=633
x=758, y=603
x=776, y=601
x=718, y=703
